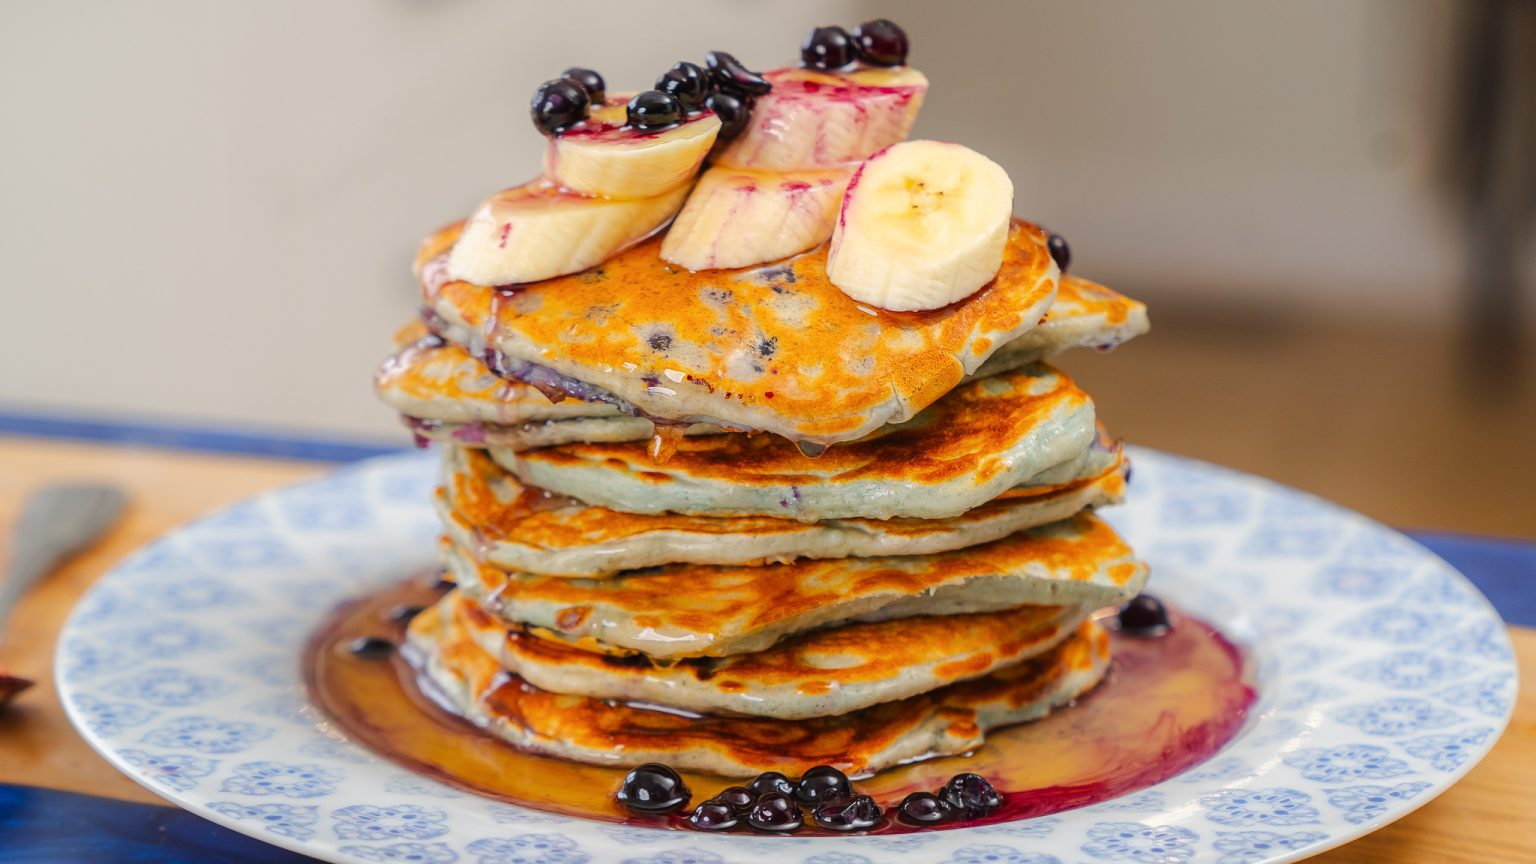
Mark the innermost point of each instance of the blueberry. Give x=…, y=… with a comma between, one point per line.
x=559, y=105
x=880, y=42
x=1145, y=615
x=775, y=812
x=653, y=109
x=923, y=808
x=442, y=584
x=403, y=613
x=826, y=48
x=729, y=74
x=822, y=785
x=732, y=111
x=688, y=83
x=590, y=81
x=971, y=794
x=653, y=788
x=854, y=814
x=1060, y=251
x=713, y=815
x=371, y=647
x=770, y=781
x=738, y=797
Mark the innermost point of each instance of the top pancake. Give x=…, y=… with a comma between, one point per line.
x=777, y=348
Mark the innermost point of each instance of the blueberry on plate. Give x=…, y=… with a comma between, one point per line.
x=713, y=815
x=858, y=813
x=923, y=808
x=733, y=112
x=739, y=798
x=770, y=781
x=654, y=109
x=653, y=788
x=558, y=105
x=775, y=812
x=880, y=42
x=688, y=84
x=729, y=74
x=826, y=48
x=971, y=794
x=590, y=81
x=1144, y=615
x=822, y=785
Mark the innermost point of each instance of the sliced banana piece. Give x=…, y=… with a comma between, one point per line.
x=620, y=162
x=816, y=119
x=923, y=224
x=540, y=230
x=737, y=217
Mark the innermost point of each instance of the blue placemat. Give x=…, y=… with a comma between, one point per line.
x=42, y=826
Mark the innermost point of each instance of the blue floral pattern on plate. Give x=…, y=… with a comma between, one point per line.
x=1382, y=678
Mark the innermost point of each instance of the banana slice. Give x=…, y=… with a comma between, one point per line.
x=737, y=218
x=540, y=230
x=816, y=119
x=923, y=224
x=615, y=161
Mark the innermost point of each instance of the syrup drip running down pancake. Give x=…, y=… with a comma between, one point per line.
x=818, y=674
x=776, y=348
x=449, y=395
x=946, y=721
x=980, y=440
x=485, y=509
x=692, y=610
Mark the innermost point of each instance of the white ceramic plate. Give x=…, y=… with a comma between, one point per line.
x=1383, y=677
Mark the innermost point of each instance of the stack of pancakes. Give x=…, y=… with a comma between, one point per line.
x=734, y=521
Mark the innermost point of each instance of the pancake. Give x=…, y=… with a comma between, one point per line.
x=980, y=440
x=693, y=610
x=449, y=395
x=484, y=508
x=775, y=348
x=1084, y=315
x=944, y=722
x=819, y=674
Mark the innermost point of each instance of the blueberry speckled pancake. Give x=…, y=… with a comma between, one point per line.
x=693, y=610
x=943, y=722
x=448, y=395
x=980, y=440
x=776, y=348
x=1083, y=315
x=484, y=508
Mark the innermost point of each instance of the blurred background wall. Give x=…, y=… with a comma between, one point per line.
x=207, y=209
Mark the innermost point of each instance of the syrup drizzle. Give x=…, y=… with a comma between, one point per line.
x=1168, y=704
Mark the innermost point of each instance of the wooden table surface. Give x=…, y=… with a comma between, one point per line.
x=1488, y=818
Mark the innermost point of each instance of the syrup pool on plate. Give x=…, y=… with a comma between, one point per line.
x=1167, y=704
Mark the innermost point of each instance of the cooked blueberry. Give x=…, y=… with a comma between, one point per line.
x=371, y=647
x=687, y=83
x=1060, y=251
x=729, y=74
x=713, y=815
x=653, y=788
x=590, y=81
x=826, y=48
x=442, y=584
x=923, y=808
x=821, y=785
x=403, y=613
x=1145, y=615
x=740, y=798
x=971, y=794
x=775, y=812
x=880, y=42
x=854, y=814
x=770, y=781
x=732, y=111
x=653, y=109
x=559, y=105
